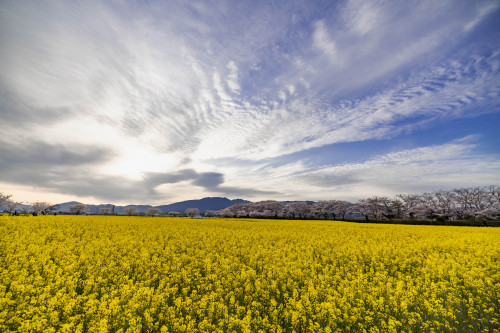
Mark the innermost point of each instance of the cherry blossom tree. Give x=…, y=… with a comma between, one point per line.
x=342, y=208
x=397, y=208
x=325, y=209
x=300, y=209
x=41, y=207
x=210, y=213
x=105, y=210
x=153, y=211
x=362, y=207
x=77, y=209
x=174, y=213
x=411, y=204
x=130, y=210
x=25, y=209
x=4, y=198
x=445, y=203
x=192, y=212
x=11, y=206
x=271, y=208
x=472, y=203
x=226, y=212
x=377, y=206
x=242, y=213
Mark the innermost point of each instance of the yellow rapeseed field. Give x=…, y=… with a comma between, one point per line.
x=143, y=274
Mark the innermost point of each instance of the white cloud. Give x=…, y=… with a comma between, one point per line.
x=322, y=41
x=450, y=165
x=169, y=87
x=415, y=170
x=232, y=78
x=363, y=16
x=486, y=9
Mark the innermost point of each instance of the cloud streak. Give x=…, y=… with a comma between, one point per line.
x=184, y=84
x=414, y=170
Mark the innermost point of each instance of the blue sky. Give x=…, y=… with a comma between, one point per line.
x=162, y=101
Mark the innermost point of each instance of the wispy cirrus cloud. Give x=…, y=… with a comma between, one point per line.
x=448, y=165
x=183, y=84
x=428, y=168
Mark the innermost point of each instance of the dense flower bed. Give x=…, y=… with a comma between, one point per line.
x=143, y=274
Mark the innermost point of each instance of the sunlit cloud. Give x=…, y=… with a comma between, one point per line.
x=450, y=165
x=158, y=89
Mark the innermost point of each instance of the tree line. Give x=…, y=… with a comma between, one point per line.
x=43, y=208
x=15, y=208
x=472, y=203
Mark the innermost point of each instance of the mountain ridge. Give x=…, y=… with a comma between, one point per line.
x=204, y=204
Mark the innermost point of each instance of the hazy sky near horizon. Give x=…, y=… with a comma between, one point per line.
x=161, y=101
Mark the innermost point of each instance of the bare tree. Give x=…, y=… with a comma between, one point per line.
x=131, y=210
x=153, y=211
x=192, y=212
x=77, y=209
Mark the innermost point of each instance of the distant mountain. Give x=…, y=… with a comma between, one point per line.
x=214, y=203
x=63, y=207
x=18, y=209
